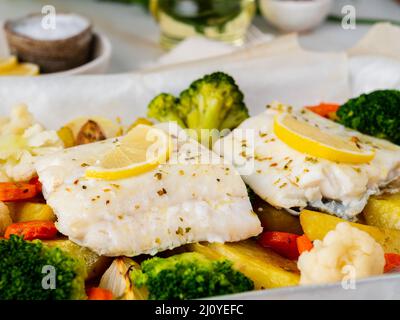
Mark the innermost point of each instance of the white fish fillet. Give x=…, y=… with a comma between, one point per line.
x=170, y=206
x=288, y=179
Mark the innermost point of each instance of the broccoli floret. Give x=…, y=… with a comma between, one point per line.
x=189, y=276
x=164, y=108
x=376, y=114
x=21, y=266
x=213, y=102
x=235, y=117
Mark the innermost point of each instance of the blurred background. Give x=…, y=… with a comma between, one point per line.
x=135, y=33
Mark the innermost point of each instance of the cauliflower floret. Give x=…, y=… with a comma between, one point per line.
x=21, y=139
x=346, y=246
x=36, y=136
x=21, y=170
x=20, y=119
x=5, y=218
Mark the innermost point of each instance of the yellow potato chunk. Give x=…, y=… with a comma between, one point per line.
x=5, y=218
x=67, y=137
x=383, y=211
x=316, y=225
x=30, y=211
x=266, y=268
x=95, y=264
x=273, y=219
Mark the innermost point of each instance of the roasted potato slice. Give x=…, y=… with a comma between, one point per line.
x=316, y=225
x=5, y=218
x=273, y=219
x=266, y=268
x=95, y=264
x=109, y=128
x=383, y=211
x=30, y=211
x=90, y=132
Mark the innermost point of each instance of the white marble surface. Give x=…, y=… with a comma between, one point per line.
x=134, y=34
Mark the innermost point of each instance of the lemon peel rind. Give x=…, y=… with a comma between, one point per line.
x=8, y=64
x=120, y=174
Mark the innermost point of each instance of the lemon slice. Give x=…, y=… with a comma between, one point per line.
x=305, y=138
x=140, y=151
x=22, y=69
x=7, y=63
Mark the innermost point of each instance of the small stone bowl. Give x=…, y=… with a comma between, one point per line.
x=52, y=55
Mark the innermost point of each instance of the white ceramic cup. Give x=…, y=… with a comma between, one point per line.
x=295, y=16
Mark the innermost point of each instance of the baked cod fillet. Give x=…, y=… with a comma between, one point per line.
x=292, y=180
x=179, y=202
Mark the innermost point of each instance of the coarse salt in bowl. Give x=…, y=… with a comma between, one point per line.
x=65, y=45
x=66, y=26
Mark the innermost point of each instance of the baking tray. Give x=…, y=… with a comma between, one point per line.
x=386, y=287
x=263, y=77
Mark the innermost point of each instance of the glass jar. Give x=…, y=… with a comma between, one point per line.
x=224, y=20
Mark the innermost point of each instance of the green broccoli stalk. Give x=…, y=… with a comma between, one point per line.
x=21, y=276
x=189, y=276
x=213, y=102
x=376, y=114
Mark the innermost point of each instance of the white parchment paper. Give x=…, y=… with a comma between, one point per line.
x=374, y=63
x=278, y=70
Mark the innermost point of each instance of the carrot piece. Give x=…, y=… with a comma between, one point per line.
x=392, y=262
x=99, y=294
x=324, y=109
x=31, y=230
x=304, y=244
x=282, y=243
x=37, y=183
x=13, y=191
